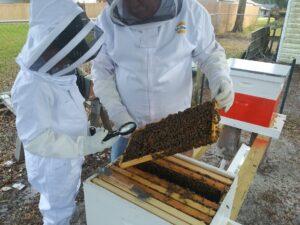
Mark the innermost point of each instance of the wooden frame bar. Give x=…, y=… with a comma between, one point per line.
x=177, y=204
x=197, y=169
x=178, y=189
x=165, y=191
x=215, y=125
x=181, y=170
x=134, y=162
x=168, y=203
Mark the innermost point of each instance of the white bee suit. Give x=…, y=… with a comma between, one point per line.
x=148, y=67
x=56, y=179
x=50, y=117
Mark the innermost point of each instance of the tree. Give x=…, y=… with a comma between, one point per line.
x=238, y=27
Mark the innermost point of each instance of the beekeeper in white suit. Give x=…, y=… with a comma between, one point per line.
x=50, y=117
x=147, y=60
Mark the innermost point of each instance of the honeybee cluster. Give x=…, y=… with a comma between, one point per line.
x=192, y=128
x=183, y=181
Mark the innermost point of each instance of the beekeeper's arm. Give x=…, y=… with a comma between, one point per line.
x=33, y=104
x=211, y=59
x=105, y=88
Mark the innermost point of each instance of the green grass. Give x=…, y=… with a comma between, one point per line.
x=261, y=22
x=12, y=38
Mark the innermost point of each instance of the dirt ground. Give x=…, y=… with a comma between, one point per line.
x=234, y=44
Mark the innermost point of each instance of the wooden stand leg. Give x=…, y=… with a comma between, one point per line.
x=248, y=171
x=19, y=152
x=252, y=138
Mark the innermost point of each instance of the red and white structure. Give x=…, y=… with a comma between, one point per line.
x=258, y=87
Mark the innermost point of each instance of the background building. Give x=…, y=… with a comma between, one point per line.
x=290, y=39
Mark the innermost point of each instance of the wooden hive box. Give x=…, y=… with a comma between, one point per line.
x=171, y=188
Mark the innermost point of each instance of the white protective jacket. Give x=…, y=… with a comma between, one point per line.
x=48, y=105
x=144, y=72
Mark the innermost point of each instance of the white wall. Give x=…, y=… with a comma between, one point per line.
x=290, y=40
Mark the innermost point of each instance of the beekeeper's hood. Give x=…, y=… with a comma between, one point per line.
x=61, y=37
x=138, y=12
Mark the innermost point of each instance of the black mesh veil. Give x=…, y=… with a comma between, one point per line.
x=137, y=12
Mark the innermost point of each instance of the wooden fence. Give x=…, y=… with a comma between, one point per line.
x=223, y=13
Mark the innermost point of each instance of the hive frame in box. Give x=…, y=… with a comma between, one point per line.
x=116, y=209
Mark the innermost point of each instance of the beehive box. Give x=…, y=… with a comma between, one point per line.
x=192, y=128
x=172, y=189
x=257, y=86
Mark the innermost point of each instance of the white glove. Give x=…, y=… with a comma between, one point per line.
x=94, y=144
x=50, y=144
x=223, y=93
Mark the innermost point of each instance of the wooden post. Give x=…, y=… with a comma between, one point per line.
x=269, y=17
x=248, y=172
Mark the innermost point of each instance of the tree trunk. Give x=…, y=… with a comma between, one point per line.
x=238, y=27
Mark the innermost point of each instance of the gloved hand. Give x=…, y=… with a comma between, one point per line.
x=94, y=144
x=51, y=144
x=223, y=93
